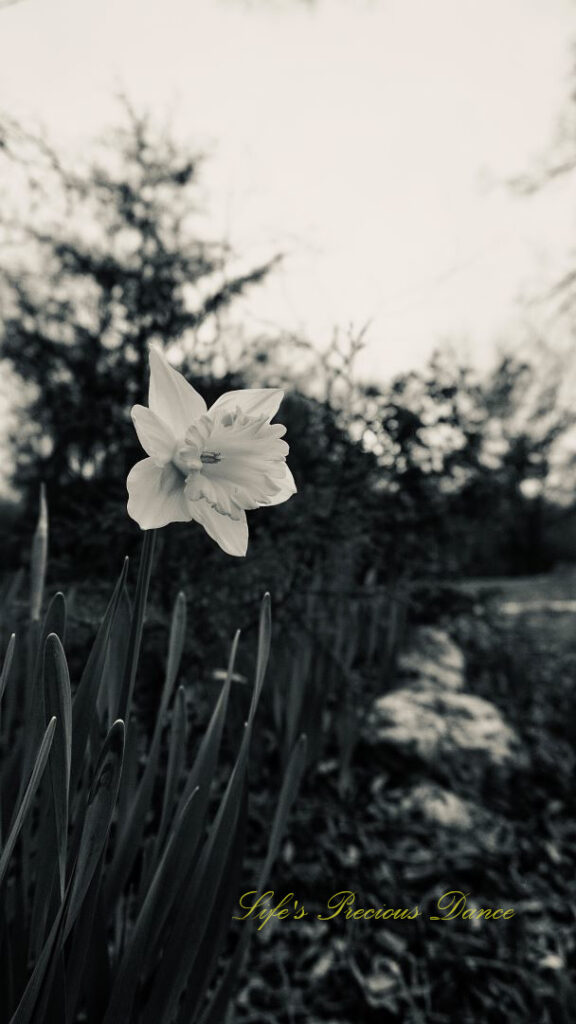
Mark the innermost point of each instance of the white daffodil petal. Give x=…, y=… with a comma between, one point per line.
x=287, y=488
x=230, y=534
x=217, y=495
x=171, y=397
x=156, y=495
x=155, y=437
x=252, y=401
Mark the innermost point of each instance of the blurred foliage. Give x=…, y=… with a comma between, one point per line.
x=501, y=972
x=468, y=460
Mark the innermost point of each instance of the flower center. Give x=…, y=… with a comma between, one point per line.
x=232, y=460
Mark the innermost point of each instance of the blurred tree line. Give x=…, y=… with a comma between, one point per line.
x=440, y=472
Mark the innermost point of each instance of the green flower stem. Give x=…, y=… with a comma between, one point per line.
x=134, y=644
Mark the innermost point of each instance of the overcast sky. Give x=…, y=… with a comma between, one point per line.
x=369, y=141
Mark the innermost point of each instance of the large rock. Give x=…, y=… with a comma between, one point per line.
x=432, y=660
x=433, y=805
x=443, y=730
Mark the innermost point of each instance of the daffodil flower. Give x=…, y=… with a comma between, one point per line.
x=209, y=465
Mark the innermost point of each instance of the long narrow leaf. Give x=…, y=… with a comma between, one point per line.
x=135, y=641
x=56, y=617
x=116, y=658
x=264, y=640
x=32, y=997
x=28, y=797
x=176, y=760
x=215, y=1012
x=132, y=829
x=45, y=906
x=98, y=816
x=161, y=895
x=204, y=767
x=7, y=664
x=87, y=693
x=176, y=641
x=197, y=903
x=8, y=698
x=100, y=807
x=59, y=704
x=206, y=884
x=39, y=558
x=82, y=942
x=210, y=949
x=34, y=700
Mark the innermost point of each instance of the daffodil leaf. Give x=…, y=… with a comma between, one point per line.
x=215, y=1011
x=135, y=639
x=108, y=702
x=202, y=773
x=82, y=946
x=96, y=825
x=52, y=831
x=34, y=710
x=56, y=617
x=204, y=767
x=30, y=1007
x=161, y=895
x=34, y=698
x=28, y=797
x=47, y=898
x=264, y=640
x=39, y=558
x=135, y=817
x=7, y=664
x=129, y=780
x=98, y=816
x=197, y=903
x=218, y=923
x=59, y=704
x=86, y=695
x=288, y=792
x=176, y=761
x=176, y=641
